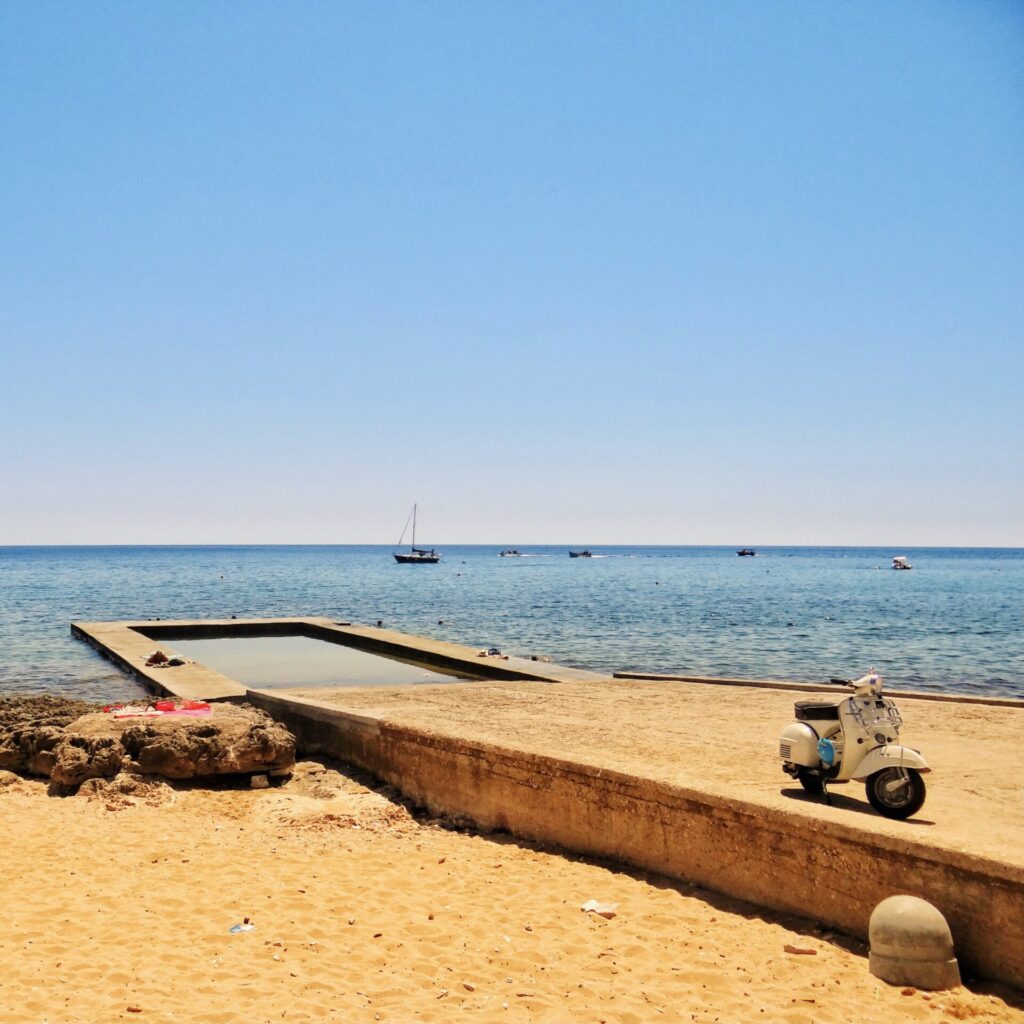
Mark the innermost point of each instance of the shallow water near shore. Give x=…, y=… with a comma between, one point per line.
x=952, y=624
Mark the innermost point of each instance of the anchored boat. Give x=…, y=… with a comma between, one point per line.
x=416, y=556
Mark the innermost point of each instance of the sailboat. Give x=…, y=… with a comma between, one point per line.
x=416, y=556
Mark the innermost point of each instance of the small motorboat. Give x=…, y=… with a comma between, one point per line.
x=901, y=562
x=746, y=551
x=581, y=554
x=510, y=553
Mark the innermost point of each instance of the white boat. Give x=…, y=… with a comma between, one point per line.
x=415, y=556
x=901, y=562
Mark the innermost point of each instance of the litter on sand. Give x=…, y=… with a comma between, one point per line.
x=245, y=926
x=605, y=910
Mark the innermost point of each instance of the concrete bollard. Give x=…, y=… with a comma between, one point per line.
x=911, y=944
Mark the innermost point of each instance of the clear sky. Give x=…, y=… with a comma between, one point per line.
x=680, y=273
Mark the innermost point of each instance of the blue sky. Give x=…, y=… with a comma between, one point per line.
x=682, y=273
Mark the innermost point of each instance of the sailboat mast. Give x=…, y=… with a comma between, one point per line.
x=414, y=525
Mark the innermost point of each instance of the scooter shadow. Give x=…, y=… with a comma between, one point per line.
x=845, y=803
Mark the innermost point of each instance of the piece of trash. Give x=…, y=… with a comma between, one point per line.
x=605, y=910
x=245, y=926
x=799, y=950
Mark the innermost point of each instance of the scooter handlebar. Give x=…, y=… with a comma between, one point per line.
x=871, y=678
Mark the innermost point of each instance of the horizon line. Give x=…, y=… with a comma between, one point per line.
x=488, y=544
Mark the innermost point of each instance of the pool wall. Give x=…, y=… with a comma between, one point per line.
x=128, y=644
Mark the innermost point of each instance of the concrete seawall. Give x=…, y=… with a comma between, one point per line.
x=832, y=873
x=677, y=776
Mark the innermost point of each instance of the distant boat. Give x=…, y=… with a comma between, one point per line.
x=901, y=562
x=510, y=553
x=416, y=556
x=746, y=551
x=581, y=554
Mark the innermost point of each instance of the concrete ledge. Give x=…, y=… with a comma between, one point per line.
x=833, y=688
x=831, y=872
x=128, y=644
x=128, y=648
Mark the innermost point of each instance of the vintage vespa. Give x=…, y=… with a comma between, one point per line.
x=855, y=738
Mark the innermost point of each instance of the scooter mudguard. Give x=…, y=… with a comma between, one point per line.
x=891, y=755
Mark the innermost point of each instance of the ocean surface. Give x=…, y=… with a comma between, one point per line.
x=954, y=623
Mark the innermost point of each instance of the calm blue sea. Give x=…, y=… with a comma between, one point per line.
x=953, y=623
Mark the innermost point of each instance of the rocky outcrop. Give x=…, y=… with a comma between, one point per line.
x=231, y=739
x=31, y=728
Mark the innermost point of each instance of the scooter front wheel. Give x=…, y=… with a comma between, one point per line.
x=896, y=792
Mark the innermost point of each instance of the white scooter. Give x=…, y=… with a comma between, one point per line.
x=856, y=738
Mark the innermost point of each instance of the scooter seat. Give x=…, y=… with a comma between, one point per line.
x=816, y=710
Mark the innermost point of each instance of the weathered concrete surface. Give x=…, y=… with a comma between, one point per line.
x=685, y=781
x=772, y=684
x=129, y=644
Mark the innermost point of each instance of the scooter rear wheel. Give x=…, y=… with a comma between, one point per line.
x=812, y=783
x=896, y=792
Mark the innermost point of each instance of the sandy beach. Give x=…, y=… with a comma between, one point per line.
x=120, y=907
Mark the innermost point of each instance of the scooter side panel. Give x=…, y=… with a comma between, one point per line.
x=892, y=755
x=798, y=744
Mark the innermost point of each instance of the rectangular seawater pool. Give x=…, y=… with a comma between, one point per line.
x=265, y=662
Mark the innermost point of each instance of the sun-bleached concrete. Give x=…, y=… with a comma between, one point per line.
x=685, y=781
x=677, y=777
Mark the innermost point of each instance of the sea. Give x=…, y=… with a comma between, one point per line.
x=952, y=624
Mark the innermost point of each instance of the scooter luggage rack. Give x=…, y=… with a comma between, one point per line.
x=887, y=714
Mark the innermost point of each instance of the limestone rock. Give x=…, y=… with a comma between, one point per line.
x=30, y=749
x=231, y=739
x=32, y=727
x=77, y=758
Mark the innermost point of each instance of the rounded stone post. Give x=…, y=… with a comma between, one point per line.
x=911, y=945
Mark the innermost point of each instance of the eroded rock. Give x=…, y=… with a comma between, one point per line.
x=231, y=739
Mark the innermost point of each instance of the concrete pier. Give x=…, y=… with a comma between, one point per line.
x=681, y=778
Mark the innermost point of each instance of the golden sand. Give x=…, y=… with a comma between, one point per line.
x=116, y=908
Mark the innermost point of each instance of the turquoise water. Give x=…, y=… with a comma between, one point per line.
x=953, y=623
